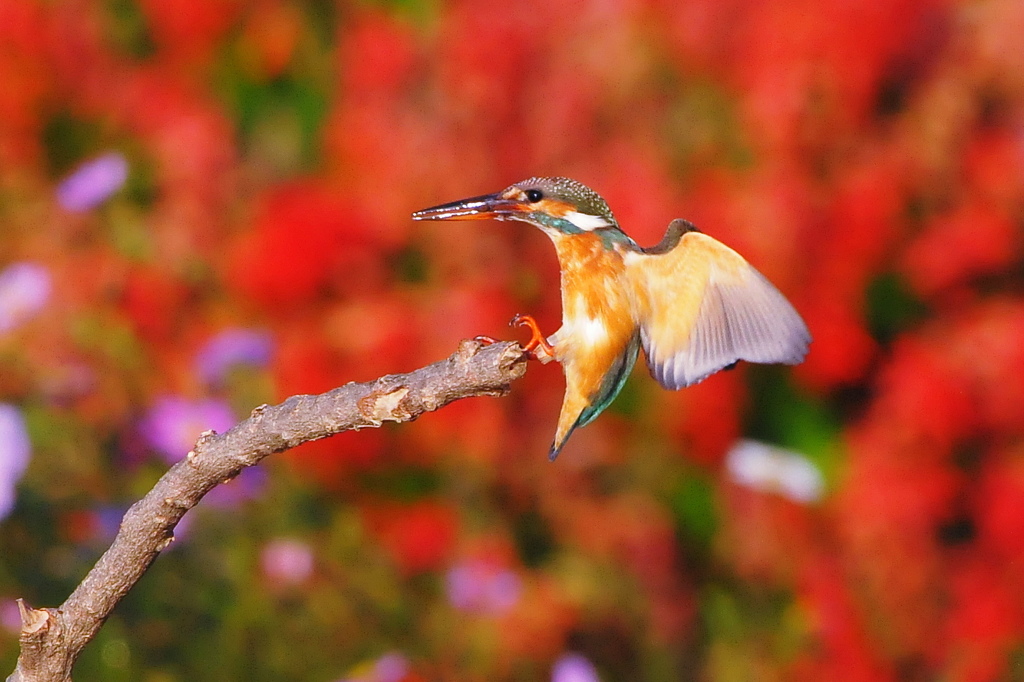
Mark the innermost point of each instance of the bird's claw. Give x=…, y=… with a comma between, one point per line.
x=485, y=340
x=537, y=347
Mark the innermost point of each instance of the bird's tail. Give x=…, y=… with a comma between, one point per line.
x=579, y=409
x=561, y=436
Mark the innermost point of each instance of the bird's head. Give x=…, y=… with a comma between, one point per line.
x=558, y=206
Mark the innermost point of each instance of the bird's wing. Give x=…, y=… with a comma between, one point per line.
x=702, y=307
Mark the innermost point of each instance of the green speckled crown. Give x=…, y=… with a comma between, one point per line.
x=576, y=193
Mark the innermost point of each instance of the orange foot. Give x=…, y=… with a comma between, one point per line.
x=536, y=339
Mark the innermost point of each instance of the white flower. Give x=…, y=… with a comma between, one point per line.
x=773, y=469
x=24, y=290
x=15, y=450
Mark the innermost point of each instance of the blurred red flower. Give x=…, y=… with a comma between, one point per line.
x=306, y=362
x=705, y=417
x=374, y=334
x=333, y=462
x=863, y=219
x=975, y=239
x=998, y=502
x=302, y=236
x=923, y=404
x=888, y=512
x=986, y=344
x=378, y=55
x=994, y=165
x=24, y=82
x=537, y=627
x=190, y=31
x=843, y=648
x=484, y=49
x=419, y=536
x=270, y=35
x=983, y=626
x=842, y=350
x=153, y=299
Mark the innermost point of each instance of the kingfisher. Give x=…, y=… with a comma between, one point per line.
x=693, y=304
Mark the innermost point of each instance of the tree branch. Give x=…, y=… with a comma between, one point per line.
x=51, y=639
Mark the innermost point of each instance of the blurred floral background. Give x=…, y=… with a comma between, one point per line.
x=204, y=206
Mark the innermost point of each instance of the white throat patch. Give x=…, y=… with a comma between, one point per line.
x=585, y=221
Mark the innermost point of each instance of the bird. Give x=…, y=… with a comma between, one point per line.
x=691, y=303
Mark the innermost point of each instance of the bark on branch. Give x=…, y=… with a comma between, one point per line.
x=51, y=639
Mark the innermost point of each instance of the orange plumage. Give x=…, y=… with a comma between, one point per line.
x=693, y=304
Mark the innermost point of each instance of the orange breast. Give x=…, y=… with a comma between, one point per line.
x=597, y=311
x=598, y=321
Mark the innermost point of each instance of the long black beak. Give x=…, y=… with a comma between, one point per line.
x=474, y=208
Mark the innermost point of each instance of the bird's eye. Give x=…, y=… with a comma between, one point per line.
x=534, y=195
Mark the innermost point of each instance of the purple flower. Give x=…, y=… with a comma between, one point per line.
x=24, y=290
x=477, y=586
x=10, y=615
x=574, y=668
x=173, y=424
x=245, y=486
x=107, y=522
x=286, y=561
x=93, y=182
x=234, y=346
x=390, y=667
x=15, y=449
